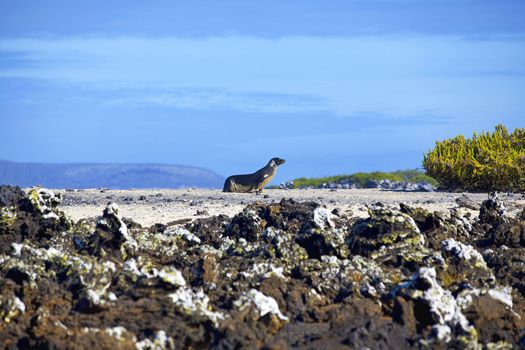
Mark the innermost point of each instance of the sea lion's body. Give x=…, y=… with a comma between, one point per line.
x=253, y=182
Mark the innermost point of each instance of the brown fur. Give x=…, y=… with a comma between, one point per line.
x=253, y=182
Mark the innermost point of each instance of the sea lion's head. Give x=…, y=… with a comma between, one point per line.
x=276, y=161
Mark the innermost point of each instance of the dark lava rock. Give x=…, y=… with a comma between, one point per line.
x=10, y=195
x=384, y=228
x=157, y=228
x=278, y=275
x=494, y=319
x=111, y=232
x=287, y=215
x=509, y=266
x=35, y=216
x=466, y=202
x=510, y=234
x=131, y=224
x=436, y=227
x=209, y=230
x=492, y=210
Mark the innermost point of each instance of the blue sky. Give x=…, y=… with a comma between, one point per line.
x=331, y=86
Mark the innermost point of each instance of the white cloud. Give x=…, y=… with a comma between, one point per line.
x=219, y=99
x=343, y=76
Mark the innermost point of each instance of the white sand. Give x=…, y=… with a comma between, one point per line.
x=162, y=206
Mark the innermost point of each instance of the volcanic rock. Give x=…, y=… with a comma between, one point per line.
x=280, y=275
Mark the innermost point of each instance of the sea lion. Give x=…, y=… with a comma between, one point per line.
x=255, y=181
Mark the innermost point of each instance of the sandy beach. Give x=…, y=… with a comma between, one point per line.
x=148, y=207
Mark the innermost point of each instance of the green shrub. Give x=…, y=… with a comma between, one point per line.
x=485, y=162
x=361, y=179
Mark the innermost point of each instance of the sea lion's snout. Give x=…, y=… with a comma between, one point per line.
x=278, y=161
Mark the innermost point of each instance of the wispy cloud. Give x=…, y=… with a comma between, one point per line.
x=219, y=99
x=396, y=75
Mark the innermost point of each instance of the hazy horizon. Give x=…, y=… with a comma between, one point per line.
x=332, y=87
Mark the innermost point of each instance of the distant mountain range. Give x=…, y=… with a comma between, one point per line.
x=116, y=176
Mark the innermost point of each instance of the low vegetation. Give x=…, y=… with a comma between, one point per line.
x=361, y=179
x=485, y=162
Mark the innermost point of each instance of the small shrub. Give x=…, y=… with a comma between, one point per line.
x=485, y=162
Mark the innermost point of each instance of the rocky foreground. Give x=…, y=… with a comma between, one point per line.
x=276, y=275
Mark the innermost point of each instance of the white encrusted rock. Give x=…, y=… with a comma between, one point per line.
x=263, y=303
x=118, y=332
x=44, y=201
x=323, y=218
x=195, y=302
x=183, y=233
x=112, y=211
x=17, y=249
x=172, y=275
x=442, y=304
x=464, y=252
x=19, y=304
x=502, y=294
x=264, y=270
x=441, y=301
x=11, y=309
x=442, y=332
x=161, y=341
x=168, y=274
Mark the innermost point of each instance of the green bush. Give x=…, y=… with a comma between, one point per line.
x=361, y=179
x=485, y=162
